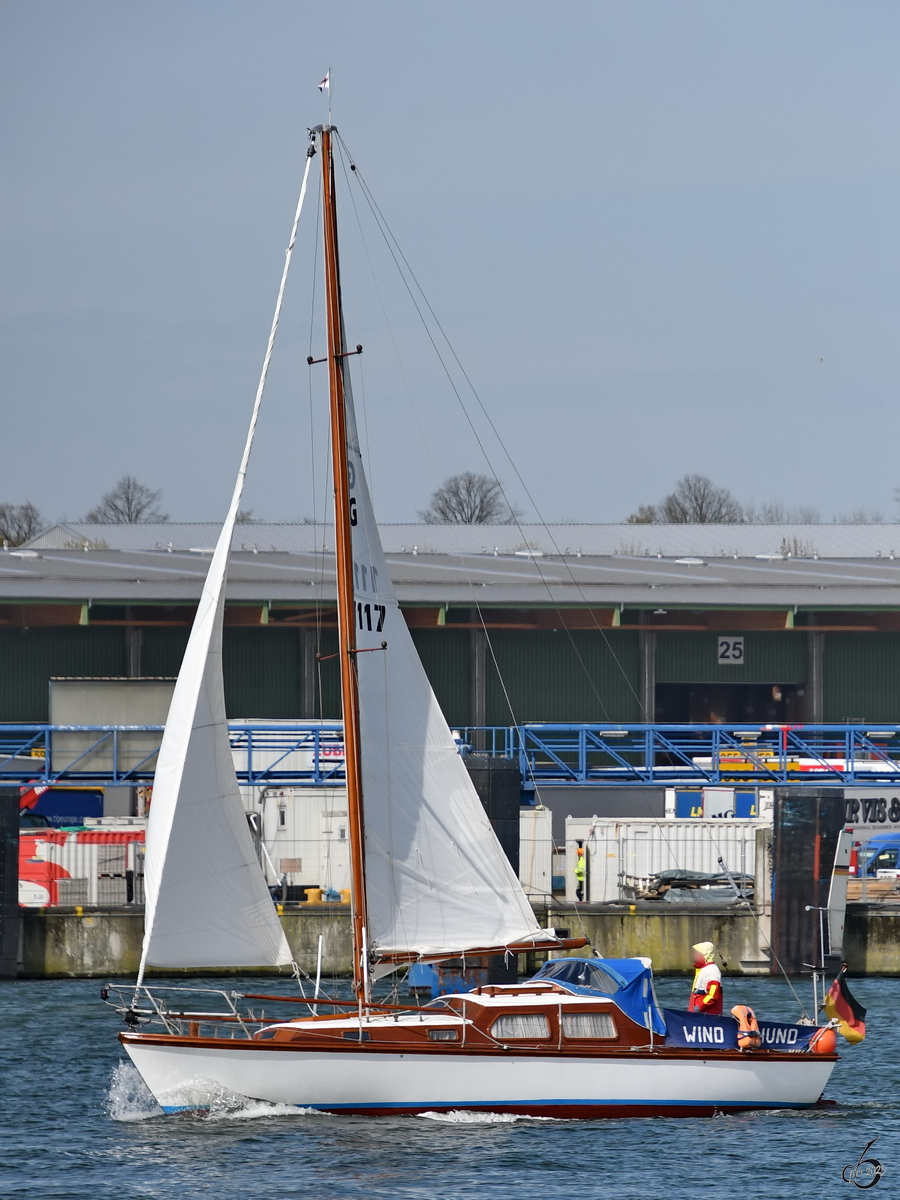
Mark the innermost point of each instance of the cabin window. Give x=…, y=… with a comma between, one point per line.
x=356, y=1035
x=443, y=1035
x=266, y=1033
x=534, y=1025
x=588, y=1025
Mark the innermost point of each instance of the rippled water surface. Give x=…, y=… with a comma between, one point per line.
x=76, y=1124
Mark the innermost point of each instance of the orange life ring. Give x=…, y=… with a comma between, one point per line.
x=748, y=1037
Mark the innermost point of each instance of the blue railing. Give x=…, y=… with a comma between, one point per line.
x=311, y=755
x=699, y=755
x=265, y=753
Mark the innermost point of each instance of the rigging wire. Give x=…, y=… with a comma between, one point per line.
x=766, y=940
x=395, y=251
x=387, y=321
x=392, y=245
x=563, y=625
x=344, y=155
x=351, y=297
x=481, y=620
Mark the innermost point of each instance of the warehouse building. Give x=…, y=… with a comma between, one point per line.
x=566, y=623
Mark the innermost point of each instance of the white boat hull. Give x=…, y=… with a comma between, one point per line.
x=185, y=1077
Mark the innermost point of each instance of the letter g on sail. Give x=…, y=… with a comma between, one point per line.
x=866, y=1173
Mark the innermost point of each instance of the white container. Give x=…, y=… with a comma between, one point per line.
x=536, y=851
x=306, y=836
x=638, y=849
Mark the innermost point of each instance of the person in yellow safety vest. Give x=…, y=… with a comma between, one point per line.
x=706, y=990
x=579, y=873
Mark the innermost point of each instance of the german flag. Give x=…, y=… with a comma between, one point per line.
x=840, y=1004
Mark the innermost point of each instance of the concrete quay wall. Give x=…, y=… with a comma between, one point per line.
x=95, y=943
x=665, y=934
x=872, y=939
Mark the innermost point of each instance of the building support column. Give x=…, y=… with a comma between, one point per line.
x=134, y=647
x=815, y=707
x=647, y=651
x=478, y=672
x=134, y=639
x=307, y=664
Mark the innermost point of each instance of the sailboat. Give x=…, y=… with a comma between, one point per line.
x=430, y=882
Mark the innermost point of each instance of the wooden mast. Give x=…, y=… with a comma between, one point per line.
x=344, y=559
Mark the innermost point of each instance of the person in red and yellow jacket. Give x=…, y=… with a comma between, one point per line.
x=706, y=990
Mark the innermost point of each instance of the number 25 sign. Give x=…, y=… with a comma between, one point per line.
x=731, y=651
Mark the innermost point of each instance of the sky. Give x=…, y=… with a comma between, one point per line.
x=661, y=236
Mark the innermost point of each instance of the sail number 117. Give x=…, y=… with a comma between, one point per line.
x=365, y=613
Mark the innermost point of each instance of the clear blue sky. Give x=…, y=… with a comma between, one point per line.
x=662, y=236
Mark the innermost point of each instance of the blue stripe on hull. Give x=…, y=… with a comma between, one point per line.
x=535, y=1107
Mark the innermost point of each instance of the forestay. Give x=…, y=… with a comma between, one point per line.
x=206, y=900
x=437, y=880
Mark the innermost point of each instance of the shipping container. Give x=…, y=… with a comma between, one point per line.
x=98, y=866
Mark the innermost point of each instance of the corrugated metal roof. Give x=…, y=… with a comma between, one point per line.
x=154, y=576
x=669, y=541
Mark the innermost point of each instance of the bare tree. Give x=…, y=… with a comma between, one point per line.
x=18, y=523
x=644, y=514
x=244, y=516
x=773, y=512
x=860, y=516
x=469, y=499
x=129, y=502
x=696, y=500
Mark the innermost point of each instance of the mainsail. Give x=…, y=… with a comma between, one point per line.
x=437, y=880
x=206, y=900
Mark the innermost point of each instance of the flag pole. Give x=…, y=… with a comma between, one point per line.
x=325, y=86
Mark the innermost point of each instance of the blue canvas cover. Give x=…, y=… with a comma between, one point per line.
x=628, y=982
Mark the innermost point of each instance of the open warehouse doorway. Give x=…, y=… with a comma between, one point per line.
x=729, y=703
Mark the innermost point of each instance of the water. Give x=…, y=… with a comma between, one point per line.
x=77, y=1123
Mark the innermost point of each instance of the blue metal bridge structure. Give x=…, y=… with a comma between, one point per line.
x=310, y=754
